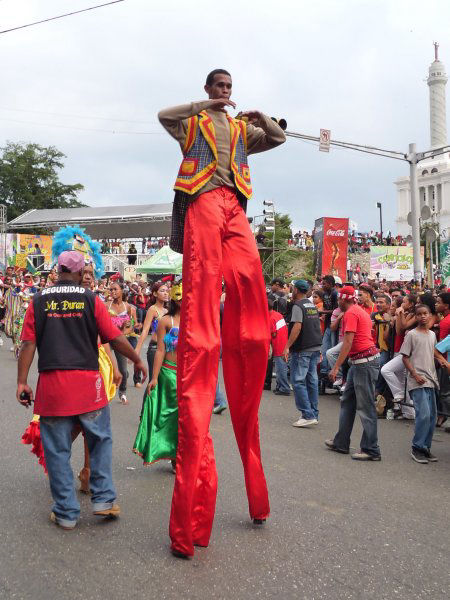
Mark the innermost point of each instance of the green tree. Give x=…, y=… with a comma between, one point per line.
x=283, y=253
x=29, y=179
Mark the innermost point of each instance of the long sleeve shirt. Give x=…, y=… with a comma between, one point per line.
x=268, y=136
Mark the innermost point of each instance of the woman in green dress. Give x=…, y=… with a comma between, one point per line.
x=157, y=434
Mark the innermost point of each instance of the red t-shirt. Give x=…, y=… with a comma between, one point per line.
x=356, y=320
x=369, y=309
x=444, y=327
x=398, y=341
x=64, y=393
x=279, y=328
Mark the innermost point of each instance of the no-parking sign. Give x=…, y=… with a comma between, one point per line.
x=325, y=135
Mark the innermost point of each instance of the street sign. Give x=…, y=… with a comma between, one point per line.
x=325, y=135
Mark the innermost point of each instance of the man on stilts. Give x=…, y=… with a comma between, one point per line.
x=210, y=227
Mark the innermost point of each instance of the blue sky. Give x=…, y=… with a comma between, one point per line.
x=355, y=67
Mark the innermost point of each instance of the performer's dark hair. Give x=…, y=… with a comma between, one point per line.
x=210, y=78
x=174, y=308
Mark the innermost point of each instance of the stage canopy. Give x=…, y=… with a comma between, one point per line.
x=111, y=222
x=165, y=261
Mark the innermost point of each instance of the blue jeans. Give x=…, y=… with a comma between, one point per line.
x=56, y=435
x=306, y=383
x=327, y=343
x=359, y=397
x=381, y=384
x=425, y=406
x=219, y=400
x=281, y=369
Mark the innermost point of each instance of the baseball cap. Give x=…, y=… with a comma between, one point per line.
x=337, y=280
x=347, y=292
x=71, y=260
x=301, y=285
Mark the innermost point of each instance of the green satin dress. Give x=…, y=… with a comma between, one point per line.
x=157, y=434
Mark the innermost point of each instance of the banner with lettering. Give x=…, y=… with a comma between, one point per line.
x=445, y=263
x=393, y=263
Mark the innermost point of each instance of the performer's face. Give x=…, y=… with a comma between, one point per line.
x=221, y=88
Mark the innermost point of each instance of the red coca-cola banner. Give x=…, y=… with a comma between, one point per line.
x=334, y=247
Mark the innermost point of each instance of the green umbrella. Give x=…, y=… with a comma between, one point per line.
x=165, y=261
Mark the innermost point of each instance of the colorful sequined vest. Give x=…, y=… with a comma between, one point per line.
x=200, y=155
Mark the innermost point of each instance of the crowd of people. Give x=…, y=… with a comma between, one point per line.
x=375, y=345
x=361, y=242
x=309, y=320
x=131, y=248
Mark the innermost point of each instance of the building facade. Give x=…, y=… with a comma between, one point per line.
x=433, y=174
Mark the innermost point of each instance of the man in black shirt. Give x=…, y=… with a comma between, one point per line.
x=330, y=302
x=304, y=343
x=132, y=254
x=277, y=296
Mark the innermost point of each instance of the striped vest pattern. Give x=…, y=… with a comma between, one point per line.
x=200, y=155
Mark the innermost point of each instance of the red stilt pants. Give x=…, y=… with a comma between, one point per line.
x=218, y=242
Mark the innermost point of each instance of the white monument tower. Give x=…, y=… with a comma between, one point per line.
x=433, y=174
x=436, y=82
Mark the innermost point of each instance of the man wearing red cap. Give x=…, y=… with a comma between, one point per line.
x=359, y=394
x=64, y=322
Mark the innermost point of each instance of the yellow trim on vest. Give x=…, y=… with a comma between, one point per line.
x=190, y=134
x=207, y=128
x=198, y=181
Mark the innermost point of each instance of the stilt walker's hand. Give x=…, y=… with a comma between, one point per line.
x=220, y=103
x=254, y=116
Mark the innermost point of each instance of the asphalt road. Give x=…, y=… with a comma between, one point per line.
x=339, y=529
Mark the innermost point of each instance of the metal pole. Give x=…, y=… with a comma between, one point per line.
x=273, y=245
x=430, y=265
x=412, y=159
x=3, y=233
x=381, y=224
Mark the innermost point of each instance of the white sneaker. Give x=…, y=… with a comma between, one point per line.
x=305, y=422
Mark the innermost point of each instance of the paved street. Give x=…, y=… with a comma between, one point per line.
x=339, y=529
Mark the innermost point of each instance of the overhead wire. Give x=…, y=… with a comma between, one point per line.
x=85, y=117
x=75, y=12
x=351, y=146
x=115, y=131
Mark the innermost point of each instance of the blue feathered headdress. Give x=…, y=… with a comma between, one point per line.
x=75, y=238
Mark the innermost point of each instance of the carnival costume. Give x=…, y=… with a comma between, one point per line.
x=73, y=238
x=25, y=294
x=157, y=434
x=210, y=227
